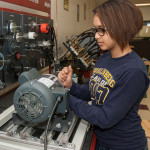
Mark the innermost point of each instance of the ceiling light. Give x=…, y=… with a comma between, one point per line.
x=146, y=4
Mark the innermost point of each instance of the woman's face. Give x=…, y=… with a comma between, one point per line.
x=104, y=41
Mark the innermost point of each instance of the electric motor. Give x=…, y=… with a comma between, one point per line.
x=35, y=98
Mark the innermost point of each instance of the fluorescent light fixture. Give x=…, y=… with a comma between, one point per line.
x=146, y=4
x=148, y=24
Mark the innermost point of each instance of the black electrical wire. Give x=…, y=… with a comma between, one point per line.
x=84, y=36
x=94, y=44
x=85, y=40
x=94, y=53
x=50, y=117
x=55, y=42
x=94, y=50
x=92, y=39
x=91, y=44
x=85, y=32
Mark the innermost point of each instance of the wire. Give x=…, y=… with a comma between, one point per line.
x=59, y=98
x=53, y=30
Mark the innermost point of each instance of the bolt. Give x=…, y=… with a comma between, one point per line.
x=69, y=123
x=52, y=88
x=58, y=125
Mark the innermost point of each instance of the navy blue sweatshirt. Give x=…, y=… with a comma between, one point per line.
x=116, y=89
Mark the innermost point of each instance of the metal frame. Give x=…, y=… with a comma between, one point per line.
x=10, y=140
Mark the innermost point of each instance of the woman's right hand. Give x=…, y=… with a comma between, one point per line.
x=65, y=75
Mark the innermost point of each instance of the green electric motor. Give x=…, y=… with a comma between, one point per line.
x=36, y=96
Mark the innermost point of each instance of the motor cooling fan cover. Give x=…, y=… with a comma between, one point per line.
x=33, y=101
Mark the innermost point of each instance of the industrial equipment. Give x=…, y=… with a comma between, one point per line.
x=35, y=99
x=26, y=41
x=41, y=116
x=82, y=49
x=34, y=112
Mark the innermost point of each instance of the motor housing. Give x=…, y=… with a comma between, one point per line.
x=36, y=96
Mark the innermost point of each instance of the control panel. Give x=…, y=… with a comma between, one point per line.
x=26, y=41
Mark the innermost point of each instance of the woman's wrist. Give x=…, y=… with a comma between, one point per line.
x=69, y=85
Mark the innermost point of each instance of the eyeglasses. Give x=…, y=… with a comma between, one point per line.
x=101, y=30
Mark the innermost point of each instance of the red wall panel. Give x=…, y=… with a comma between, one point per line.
x=42, y=5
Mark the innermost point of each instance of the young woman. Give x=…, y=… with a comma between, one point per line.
x=119, y=80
